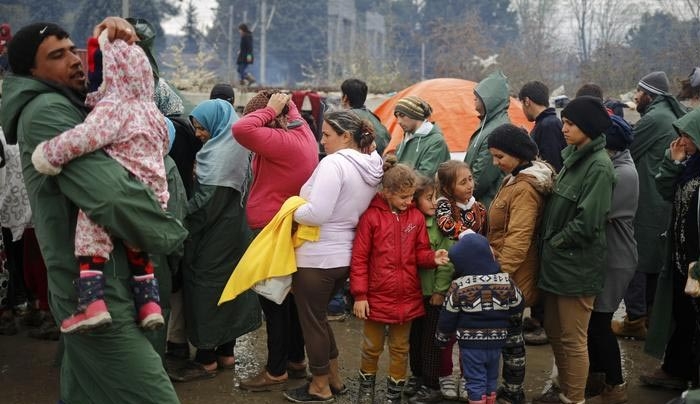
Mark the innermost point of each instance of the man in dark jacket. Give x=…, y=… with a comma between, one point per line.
x=652, y=135
x=547, y=131
x=353, y=94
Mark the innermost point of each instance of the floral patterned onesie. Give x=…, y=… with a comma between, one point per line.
x=124, y=122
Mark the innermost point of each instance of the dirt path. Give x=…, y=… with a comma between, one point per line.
x=27, y=374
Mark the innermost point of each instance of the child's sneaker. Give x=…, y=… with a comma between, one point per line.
x=448, y=388
x=462, y=390
x=91, y=312
x=147, y=299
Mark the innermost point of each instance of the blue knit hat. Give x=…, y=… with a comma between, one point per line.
x=619, y=135
x=472, y=255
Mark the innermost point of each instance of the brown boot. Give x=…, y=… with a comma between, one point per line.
x=610, y=395
x=636, y=329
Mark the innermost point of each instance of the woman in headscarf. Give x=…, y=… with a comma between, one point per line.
x=218, y=238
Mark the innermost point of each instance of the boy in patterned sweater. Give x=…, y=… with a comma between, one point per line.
x=478, y=307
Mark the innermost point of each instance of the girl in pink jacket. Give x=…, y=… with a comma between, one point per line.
x=127, y=125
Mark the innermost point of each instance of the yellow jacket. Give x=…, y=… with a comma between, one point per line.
x=271, y=254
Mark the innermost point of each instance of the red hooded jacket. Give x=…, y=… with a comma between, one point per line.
x=387, y=251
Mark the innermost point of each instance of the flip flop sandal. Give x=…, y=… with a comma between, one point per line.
x=302, y=395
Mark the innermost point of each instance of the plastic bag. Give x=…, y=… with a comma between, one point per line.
x=274, y=289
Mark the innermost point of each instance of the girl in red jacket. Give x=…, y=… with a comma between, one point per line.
x=390, y=244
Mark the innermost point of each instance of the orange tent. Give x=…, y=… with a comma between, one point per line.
x=452, y=101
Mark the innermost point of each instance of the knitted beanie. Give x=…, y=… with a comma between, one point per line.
x=619, y=135
x=223, y=91
x=589, y=114
x=514, y=141
x=413, y=107
x=654, y=83
x=21, y=52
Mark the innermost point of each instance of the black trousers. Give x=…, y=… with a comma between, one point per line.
x=285, y=342
x=603, y=350
x=682, y=356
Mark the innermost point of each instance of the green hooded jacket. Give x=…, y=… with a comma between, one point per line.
x=574, y=222
x=493, y=91
x=116, y=364
x=653, y=134
x=436, y=280
x=666, y=181
x=424, y=151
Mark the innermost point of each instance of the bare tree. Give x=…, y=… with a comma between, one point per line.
x=681, y=8
x=538, y=27
x=613, y=20
x=584, y=13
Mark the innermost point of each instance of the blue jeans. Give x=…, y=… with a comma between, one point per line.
x=242, y=67
x=480, y=367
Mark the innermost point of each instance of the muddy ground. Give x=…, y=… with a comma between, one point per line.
x=28, y=374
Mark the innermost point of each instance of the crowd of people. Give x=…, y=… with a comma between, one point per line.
x=141, y=212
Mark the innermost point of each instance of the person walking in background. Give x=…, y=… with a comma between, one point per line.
x=478, y=308
x=285, y=156
x=491, y=100
x=652, y=135
x=423, y=147
x=338, y=192
x=245, y=55
x=605, y=384
x=574, y=245
x=390, y=245
x=513, y=227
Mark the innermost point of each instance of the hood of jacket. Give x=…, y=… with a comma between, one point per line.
x=472, y=255
x=368, y=165
x=540, y=175
x=18, y=91
x=493, y=91
x=676, y=107
x=689, y=124
x=126, y=72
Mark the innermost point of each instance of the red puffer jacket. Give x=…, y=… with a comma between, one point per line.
x=388, y=249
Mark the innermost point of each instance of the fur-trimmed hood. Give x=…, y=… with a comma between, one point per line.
x=541, y=175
